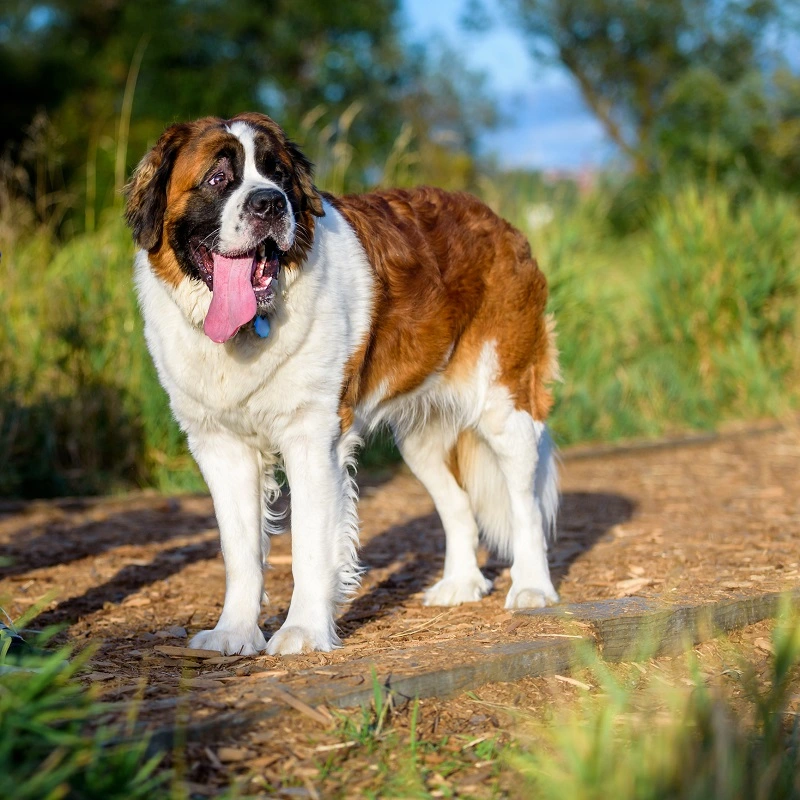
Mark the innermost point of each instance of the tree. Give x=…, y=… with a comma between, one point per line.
x=182, y=59
x=672, y=78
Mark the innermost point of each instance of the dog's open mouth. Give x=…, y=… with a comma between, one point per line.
x=240, y=283
x=264, y=260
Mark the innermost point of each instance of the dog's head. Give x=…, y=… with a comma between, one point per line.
x=226, y=203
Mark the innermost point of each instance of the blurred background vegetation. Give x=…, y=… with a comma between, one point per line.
x=674, y=265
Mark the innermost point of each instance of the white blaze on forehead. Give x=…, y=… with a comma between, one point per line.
x=236, y=235
x=246, y=135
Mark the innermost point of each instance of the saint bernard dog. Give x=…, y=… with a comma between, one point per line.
x=285, y=323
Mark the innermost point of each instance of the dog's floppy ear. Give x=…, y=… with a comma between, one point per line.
x=146, y=193
x=304, y=175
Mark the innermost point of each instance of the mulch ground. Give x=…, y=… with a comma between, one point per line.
x=132, y=575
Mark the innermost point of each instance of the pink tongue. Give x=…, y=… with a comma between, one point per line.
x=233, y=301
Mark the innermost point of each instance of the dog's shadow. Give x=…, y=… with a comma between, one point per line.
x=63, y=542
x=419, y=545
x=401, y=561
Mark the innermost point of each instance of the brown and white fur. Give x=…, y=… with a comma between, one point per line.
x=420, y=309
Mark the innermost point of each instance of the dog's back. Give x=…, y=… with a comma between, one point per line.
x=452, y=276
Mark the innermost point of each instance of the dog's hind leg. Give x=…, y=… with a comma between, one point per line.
x=425, y=450
x=524, y=456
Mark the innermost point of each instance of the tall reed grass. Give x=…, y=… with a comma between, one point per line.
x=81, y=409
x=688, y=321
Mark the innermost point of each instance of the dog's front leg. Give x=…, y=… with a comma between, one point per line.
x=231, y=470
x=318, y=500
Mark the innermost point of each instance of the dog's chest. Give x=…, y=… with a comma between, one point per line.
x=255, y=387
x=251, y=398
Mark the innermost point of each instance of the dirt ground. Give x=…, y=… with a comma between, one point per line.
x=132, y=575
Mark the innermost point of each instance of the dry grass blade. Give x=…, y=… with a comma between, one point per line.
x=299, y=705
x=476, y=741
x=420, y=628
x=326, y=748
x=573, y=682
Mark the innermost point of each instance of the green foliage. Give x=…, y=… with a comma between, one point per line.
x=89, y=86
x=81, y=410
x=723, y=297
x=208, y=57
x=673, y=743
x=685, y=86
x=53, y=740
x=402, y=763
x=689, y=321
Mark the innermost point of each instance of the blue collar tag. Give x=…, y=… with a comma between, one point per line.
x=262, y=326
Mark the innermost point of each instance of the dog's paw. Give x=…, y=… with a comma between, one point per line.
x=231, y=641
x=293, y=639
x=455, y=591
x=531, y=597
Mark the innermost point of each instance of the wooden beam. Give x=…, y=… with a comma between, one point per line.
x=628, y=629
x=637, y=628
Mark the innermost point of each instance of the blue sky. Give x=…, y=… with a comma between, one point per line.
x=548, y=124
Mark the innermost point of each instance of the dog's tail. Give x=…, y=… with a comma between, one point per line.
x=480, y=475
x=546, y=481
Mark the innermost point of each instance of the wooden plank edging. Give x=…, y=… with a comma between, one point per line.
x=628, y=629
x=638, y=628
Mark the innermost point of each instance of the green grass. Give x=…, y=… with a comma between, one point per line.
x=676, y=730
x=651, y=741
x=55, y=741
x=82, y=411
x=689, y=320
x=400, y=763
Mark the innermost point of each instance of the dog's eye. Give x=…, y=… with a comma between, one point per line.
x=217, y=178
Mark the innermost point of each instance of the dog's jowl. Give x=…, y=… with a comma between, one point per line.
x=285, y=323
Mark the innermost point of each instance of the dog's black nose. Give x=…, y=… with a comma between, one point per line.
x=263, y=203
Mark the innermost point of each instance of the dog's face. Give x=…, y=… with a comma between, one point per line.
x=225, y=202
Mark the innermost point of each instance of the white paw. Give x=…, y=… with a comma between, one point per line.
x=529, y=597
x=231, y=641
x=292, y=639
x=455, y=591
